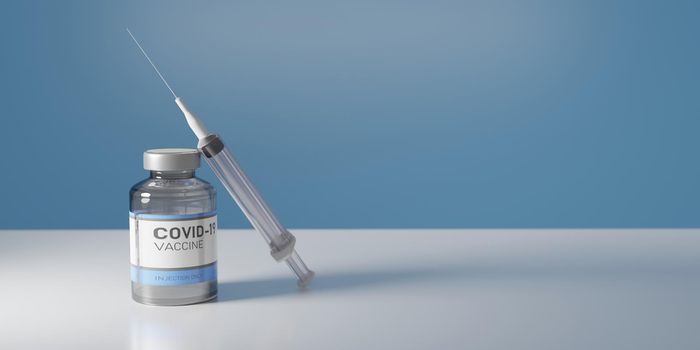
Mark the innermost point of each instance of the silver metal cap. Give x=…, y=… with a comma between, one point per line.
x=171, y=159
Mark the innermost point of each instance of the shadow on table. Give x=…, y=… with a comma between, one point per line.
x=240, y=290
x=569, y=270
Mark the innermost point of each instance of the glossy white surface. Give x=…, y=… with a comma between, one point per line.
x=376, y=289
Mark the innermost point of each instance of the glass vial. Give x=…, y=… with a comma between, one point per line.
x=172, y=224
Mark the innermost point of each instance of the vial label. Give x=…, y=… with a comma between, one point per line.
x=173, y=249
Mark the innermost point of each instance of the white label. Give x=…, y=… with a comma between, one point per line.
x=172, y=243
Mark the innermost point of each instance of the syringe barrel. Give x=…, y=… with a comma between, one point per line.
x=236, y=182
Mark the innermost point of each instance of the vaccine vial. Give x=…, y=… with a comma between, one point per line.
x=172, y=224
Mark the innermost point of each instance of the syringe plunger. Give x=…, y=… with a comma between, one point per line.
x=237, y=184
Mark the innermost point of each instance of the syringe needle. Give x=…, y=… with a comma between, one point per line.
x=151, y=62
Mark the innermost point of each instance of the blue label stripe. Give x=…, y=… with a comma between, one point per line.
x=155, y=277
x=138, y=215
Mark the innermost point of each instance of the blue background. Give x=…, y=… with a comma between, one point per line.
x=361, y=113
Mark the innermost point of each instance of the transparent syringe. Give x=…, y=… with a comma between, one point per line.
x=237, y=184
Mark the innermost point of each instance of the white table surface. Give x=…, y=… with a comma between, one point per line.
x=375, y=289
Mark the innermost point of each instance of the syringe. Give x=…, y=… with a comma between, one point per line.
x=237, y=184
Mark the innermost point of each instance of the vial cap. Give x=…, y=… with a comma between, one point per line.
x=171, y=159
